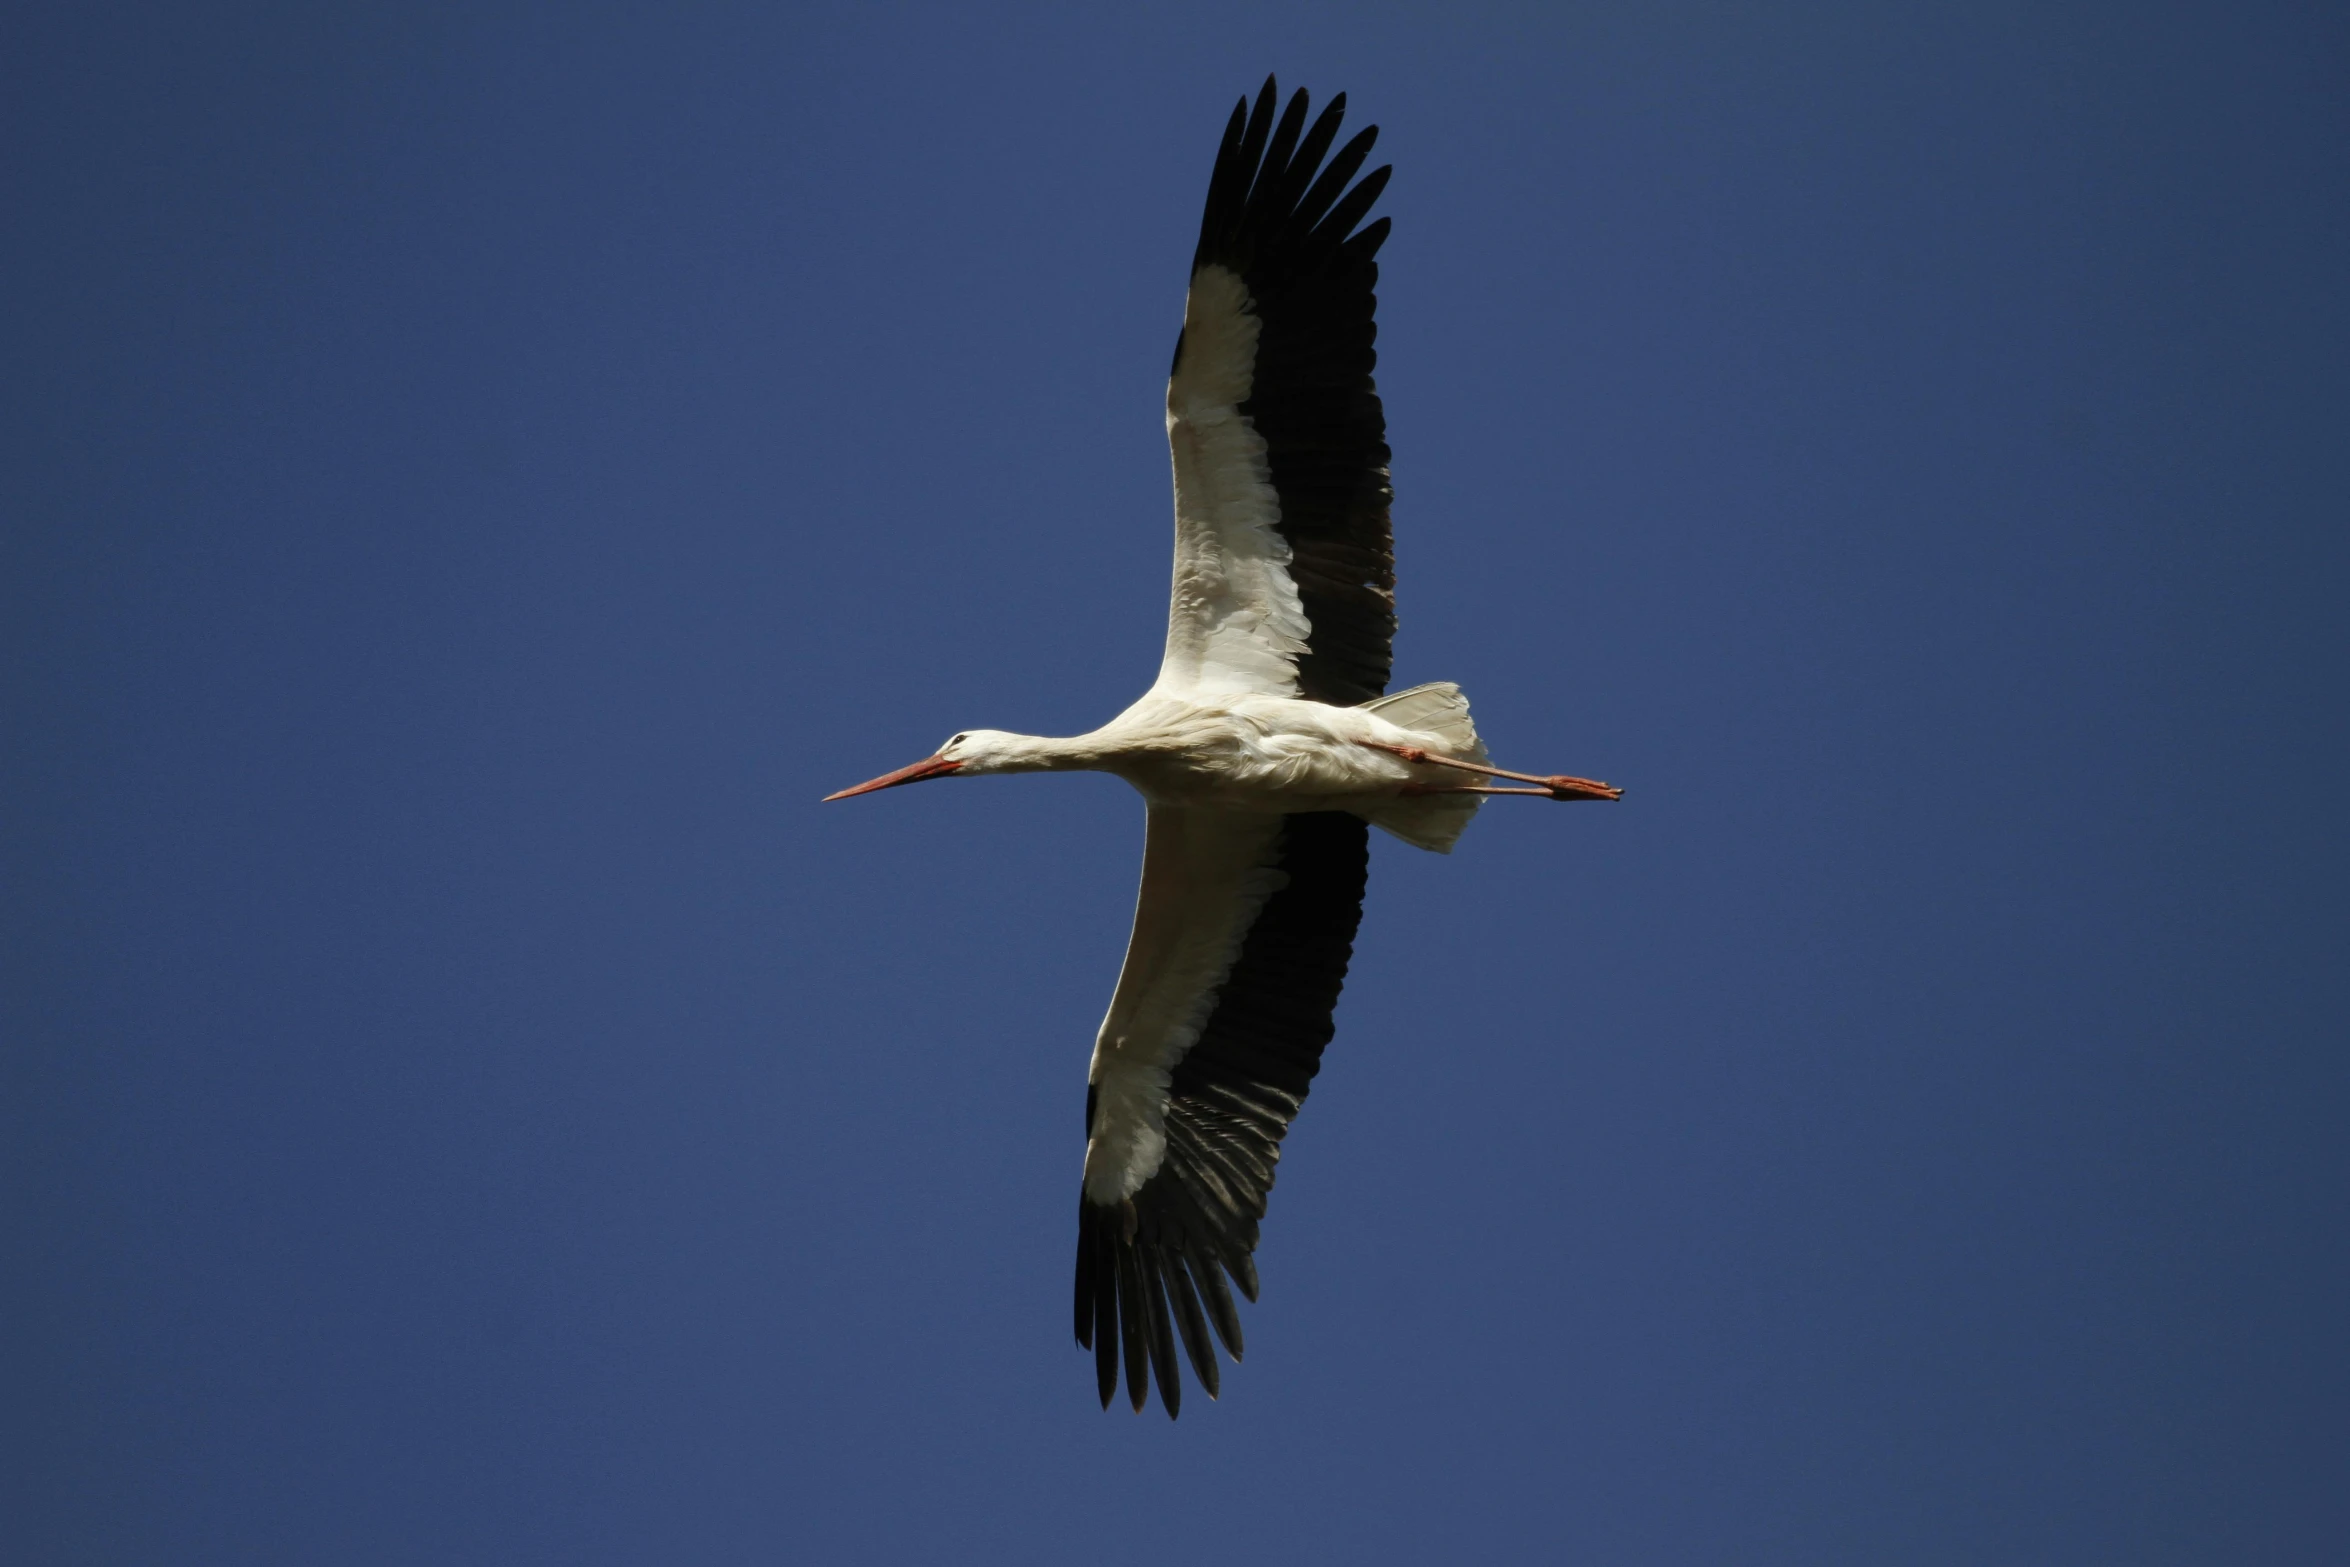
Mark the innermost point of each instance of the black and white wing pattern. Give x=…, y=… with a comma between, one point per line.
x=1284, y=568
x=1241, y=938
x=1284, y=584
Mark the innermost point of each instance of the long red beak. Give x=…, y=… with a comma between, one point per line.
x=928, y=767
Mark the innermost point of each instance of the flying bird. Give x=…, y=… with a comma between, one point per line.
x=1264, y=752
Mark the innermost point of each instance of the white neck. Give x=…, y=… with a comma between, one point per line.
x=1002, y=752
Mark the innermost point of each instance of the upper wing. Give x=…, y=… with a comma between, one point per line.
x=1284, y=567
x=1241, y=940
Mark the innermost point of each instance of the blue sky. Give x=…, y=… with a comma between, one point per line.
x=471, y=478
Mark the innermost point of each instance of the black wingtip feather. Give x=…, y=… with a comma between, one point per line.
x=1162, y=1333
x=1244, y=1274
x=1252, y=140
x=1349, y=210
x=1305, y=162
x=1085, y=1309
x=1133, y=1321
x=1105, y=1323
x=1218, y=1300
x=1326, y=189
x=1193, y=1326
x=1365, y=245
x=1277, y=152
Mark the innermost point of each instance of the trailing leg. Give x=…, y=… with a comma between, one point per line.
x=1557, y=786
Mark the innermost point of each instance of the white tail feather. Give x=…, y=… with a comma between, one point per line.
x=1437, y=710
x=1441, y=713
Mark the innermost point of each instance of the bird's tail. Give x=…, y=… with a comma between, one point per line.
x=1440, y=712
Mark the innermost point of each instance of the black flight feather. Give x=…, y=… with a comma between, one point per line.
x=1193, y=1326
x=1105, y=1319
x=1162, y=1339
x=1134, y=1321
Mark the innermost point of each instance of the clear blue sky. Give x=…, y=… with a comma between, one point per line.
x=471, y=478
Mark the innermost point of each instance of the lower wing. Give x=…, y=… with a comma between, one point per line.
x=1241, y=940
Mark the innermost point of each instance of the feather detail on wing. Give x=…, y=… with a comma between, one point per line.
x=1241, y=941
x=1284, y=568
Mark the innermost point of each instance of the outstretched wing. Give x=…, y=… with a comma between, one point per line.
x=1284, y=567
x=1241, y=938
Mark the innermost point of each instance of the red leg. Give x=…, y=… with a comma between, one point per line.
x=1559, y=786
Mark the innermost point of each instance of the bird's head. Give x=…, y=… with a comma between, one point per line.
x=973, y=751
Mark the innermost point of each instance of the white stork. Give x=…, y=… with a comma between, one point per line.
x=1262, y=750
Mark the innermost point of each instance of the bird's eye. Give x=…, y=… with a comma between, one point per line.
x=958, y=740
